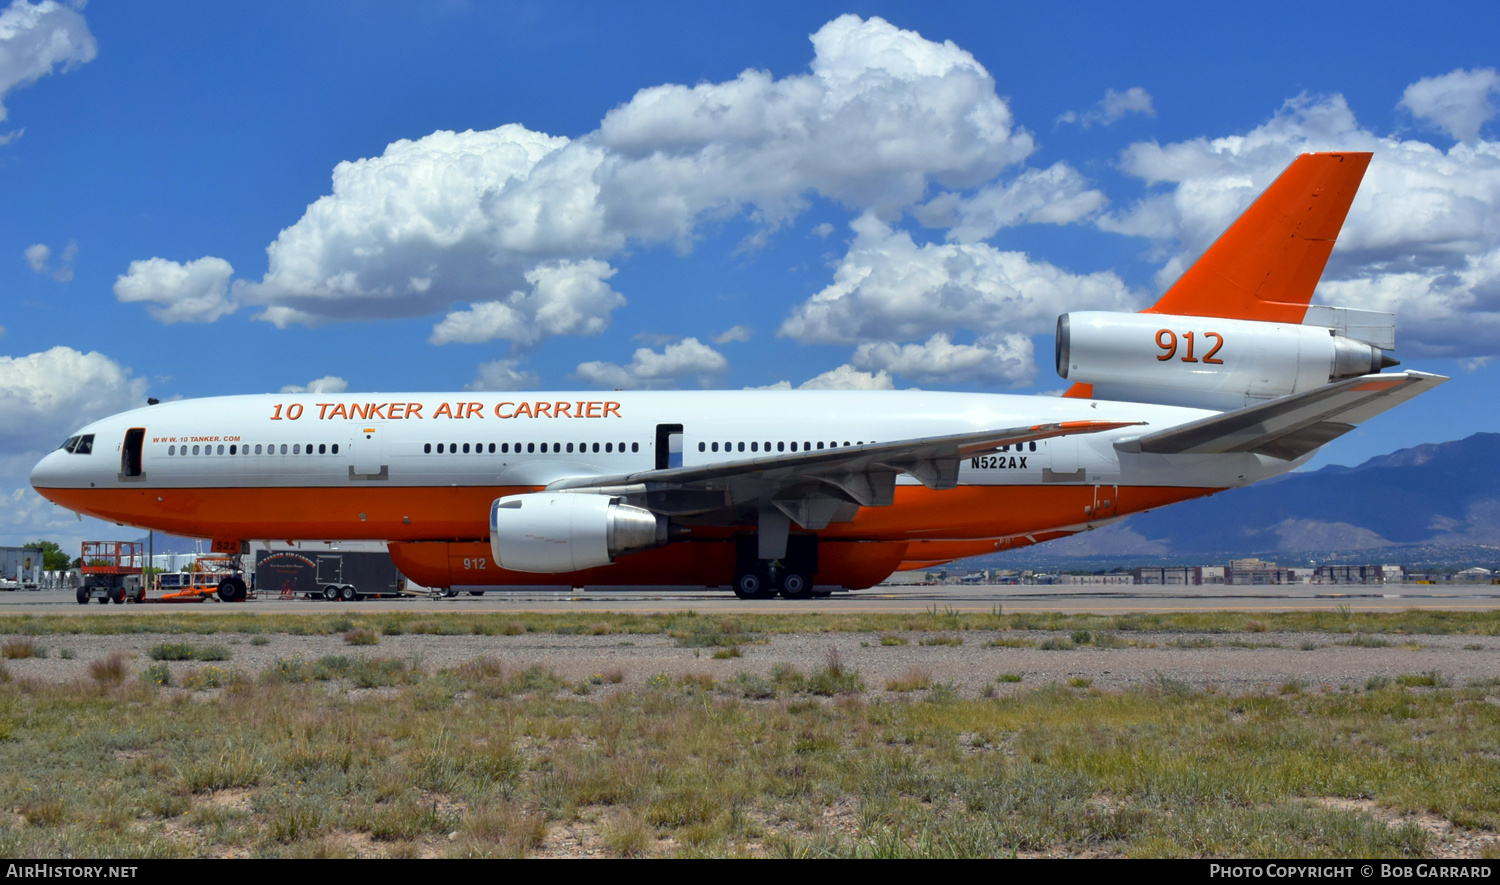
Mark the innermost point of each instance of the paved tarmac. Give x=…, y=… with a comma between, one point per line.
x=1109, y=599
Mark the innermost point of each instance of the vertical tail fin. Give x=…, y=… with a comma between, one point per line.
x=1266, y=265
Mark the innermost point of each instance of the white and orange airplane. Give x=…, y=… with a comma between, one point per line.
x=1229, y=379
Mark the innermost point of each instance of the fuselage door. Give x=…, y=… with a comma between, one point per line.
x=130, y=453
x=367, y=451
x=668, y=446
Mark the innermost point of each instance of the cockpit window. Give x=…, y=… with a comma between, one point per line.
x=79, y=445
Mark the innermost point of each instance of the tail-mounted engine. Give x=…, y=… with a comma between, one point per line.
x=1207, y=361
x=553, y=532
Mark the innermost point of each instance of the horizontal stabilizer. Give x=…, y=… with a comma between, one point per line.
x=1291, y=426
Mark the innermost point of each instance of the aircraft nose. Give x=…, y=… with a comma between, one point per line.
x=48, y=473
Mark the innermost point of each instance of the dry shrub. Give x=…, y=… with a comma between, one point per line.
x=514, y=629
x=18, y=648
x=361, y=636
x=600, y=629
x=628, y=836
x=911, y=680
x=108, y=670
x=704, y=681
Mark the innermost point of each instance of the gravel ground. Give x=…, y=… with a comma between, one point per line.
x=1314, y=659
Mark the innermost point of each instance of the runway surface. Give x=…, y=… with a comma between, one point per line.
x=1072, y=599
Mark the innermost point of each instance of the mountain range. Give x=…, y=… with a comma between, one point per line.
x=1426, y=498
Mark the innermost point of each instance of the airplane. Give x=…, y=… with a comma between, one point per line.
x=1231, y=377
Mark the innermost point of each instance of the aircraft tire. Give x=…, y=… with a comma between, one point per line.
x=231, y=590
x=795, y=585
x=752, y=585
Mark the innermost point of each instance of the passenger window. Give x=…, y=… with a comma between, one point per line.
x=335, y=448
x=820, y=444
x=530, y=447
x=781, y=447
x=195, y=450
x=1033, y=447
x=610, y=447
x=742, y=447
x=505, y=448
x=570, y=448
x=634, y=447
x=596, y=448
x=232, y=450
x=283, y=448
x=716, y=447
x=754, y=447
x=427, y=449
x=466, y=448
x=221, y=450
x=296, y=449
x=171, y=450
x=492, y=448
x=257, y=449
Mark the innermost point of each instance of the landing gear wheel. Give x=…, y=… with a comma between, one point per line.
x=231, y=590
x=794, y=585
x=752, y=585
x=450, y=593
x=347, y=594
x=82, y=596
x=476, y=592
x=330, y=593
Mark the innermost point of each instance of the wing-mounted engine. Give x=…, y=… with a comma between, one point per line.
x=1209, y=362
x=551, y=532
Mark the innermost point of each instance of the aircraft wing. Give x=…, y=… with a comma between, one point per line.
x=812, y=485
x=1290, y=426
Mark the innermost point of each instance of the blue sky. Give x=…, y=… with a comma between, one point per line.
x=686, y=195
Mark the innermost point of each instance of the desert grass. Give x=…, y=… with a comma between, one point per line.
x=694, y=629
x=362, y=756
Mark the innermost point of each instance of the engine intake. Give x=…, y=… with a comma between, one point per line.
x=1209, y=359
x=551, y=532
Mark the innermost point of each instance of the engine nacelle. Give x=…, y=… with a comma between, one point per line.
x=553, y=532
x=1212, y=359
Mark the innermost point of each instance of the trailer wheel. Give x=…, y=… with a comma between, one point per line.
x=347, y=594
x=330, y=593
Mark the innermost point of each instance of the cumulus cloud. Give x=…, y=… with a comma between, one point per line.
x=196, y=292
x=847, y=377
x=1055, y=195
x=881, y=116
x=326, y=384
x=1422, y=238
x=1112, y=107
x=46, y=395
x=503, y=375
x=35, y=39
x=889, y=288
x=676, y=362
x=565, y=298
x=39, y=256
x=1008, y=359
x=1457, y=102
x=733, y=333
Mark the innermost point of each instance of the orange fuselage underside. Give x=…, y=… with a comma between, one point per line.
x=439, y=535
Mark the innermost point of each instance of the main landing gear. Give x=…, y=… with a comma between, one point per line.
x=789, y=575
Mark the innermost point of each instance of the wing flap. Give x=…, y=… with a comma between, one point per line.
x=1290, y=426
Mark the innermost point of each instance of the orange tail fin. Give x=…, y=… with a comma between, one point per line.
x=1267, y=264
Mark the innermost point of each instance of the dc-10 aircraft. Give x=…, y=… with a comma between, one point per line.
x=1230, y=378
